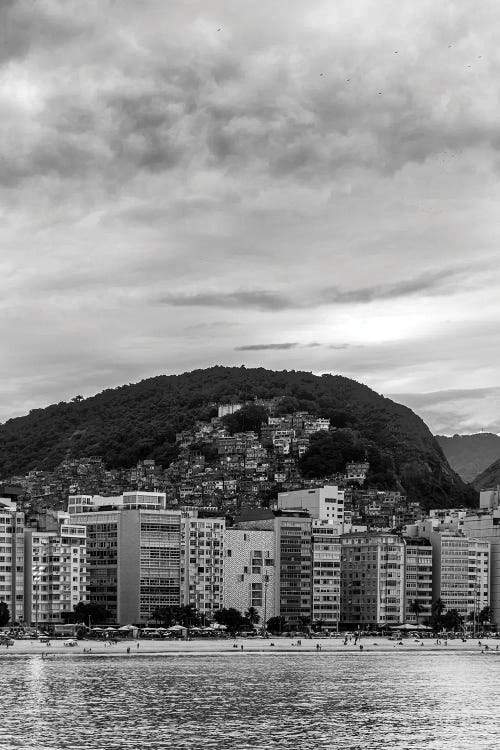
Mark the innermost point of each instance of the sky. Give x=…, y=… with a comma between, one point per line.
x=293, y=185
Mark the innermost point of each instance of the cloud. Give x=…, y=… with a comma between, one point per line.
x=259, y=300
x=272, y=301
x=165, y=186
x=265, y=347
x=463, y=411
x=431, y=283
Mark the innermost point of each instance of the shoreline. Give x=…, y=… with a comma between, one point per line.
x=284, y=646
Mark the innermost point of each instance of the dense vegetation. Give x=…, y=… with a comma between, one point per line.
x=133, y=422
x=470, y=455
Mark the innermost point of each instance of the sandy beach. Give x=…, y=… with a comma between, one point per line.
x=244, y=646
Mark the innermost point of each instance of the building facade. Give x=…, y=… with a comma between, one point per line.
x=323, y=503
x=326, y=579
x=55, y=572
x=12, y=559
x=249, y=571
x=373, y=581
x=294, y=558
x=202, y=577
x=418, y=580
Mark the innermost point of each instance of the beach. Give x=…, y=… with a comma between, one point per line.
x=146, y=647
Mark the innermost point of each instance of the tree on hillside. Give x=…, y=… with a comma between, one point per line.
x=4, y=614
x=248, y=419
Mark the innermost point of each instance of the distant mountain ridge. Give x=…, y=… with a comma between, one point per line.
x=137, y=421
x=470, y=455
x=489, y=478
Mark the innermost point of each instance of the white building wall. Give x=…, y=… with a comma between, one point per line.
x=323, y=503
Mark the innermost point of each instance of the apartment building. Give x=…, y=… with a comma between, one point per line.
x=55, y=571
x=323, y=503
x=293, y=531
x=418, y=579
x=372, y=580
x=326, y=578
x=460, y=564
x=12, y=558
x=202, y=563
x=133, y=554
x=250, y=571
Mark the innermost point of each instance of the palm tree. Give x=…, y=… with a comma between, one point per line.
x=252, y=616
x=437, y=610
x=416, y=609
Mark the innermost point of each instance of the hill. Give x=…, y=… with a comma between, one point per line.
x=137, y=421
x=489, y=478
x=469, y=455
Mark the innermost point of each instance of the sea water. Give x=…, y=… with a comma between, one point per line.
x=431, y=701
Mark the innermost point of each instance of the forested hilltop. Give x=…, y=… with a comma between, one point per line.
x=137, y=421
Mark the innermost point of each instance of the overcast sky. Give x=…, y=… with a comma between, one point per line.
x=298, y=185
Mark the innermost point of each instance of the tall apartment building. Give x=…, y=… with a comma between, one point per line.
x=484, y=524
x=249, y=571
x=373, y=581
x=323, y=503
x=460, y=564
x=12, y=558
x=418, y=578
x=202, y=563
x=134, y=554
x=326, y=561
x=55, y=572
x=293, y=531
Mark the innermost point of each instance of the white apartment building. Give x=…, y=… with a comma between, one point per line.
x=418, y=578
x=55, y=572
x=323, y=503
x=326, y=579
x=485, y=525
x=202, y=563
x=373, y=580
x=12, y=559
x=250, y=571
x=460, y=563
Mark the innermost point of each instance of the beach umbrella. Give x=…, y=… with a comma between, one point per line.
x=98, y=630
x=405, y=626
x=176, y=628
x=126, y=627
